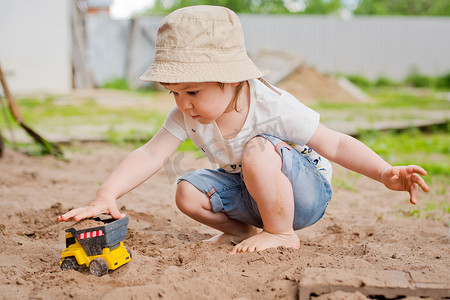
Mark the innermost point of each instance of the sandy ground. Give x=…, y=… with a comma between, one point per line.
x=365, y=228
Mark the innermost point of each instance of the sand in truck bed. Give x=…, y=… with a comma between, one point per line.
x=86, y=223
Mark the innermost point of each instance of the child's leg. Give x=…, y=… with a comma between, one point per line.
x=197, y=205
x=272, y=191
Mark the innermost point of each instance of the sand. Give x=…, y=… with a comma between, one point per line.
x=310, y=86
x=86, y=223
x=366, y=227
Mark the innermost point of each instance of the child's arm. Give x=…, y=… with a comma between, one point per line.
x=136, y=168
x=354, y=155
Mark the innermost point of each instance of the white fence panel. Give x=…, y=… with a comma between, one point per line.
x=368, y=46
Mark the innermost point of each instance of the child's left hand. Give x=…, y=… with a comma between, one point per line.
x=405, y=179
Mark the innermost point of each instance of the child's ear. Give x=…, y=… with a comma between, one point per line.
x=234, y=84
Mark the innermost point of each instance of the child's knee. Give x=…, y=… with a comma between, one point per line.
x=188, y=198
x=258, y=153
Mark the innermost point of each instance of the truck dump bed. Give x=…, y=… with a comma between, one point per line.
x=94, y=239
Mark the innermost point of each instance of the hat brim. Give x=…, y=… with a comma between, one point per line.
x=177, y=72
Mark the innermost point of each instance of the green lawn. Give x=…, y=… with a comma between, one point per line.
x=132, y=125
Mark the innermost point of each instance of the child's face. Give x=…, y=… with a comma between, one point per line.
x=205, y=101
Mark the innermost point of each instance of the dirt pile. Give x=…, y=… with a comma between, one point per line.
x=310, y=86
x=290, y=71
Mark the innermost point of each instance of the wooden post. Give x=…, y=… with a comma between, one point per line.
x=82, y=75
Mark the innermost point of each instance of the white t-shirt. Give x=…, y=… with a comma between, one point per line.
x=272, y=111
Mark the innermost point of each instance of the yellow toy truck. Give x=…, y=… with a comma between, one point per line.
x=99, y=248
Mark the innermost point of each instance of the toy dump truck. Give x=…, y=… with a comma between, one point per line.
x=100, y=248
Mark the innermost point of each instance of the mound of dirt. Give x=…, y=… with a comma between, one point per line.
x=310, y=86
x=289, y=71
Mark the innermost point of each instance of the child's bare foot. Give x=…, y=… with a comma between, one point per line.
x=225, y=238
x=265, y=240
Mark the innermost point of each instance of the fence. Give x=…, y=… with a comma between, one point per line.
x=368, y=46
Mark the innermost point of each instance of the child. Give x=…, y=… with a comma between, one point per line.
x=253, y=130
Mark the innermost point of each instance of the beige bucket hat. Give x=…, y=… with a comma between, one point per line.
x=201, y=44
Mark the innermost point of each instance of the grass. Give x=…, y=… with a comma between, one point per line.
x=431, y=209
x=116, y=124
x=429, y=149
x=414, y=79
x=348, y=183
x=392, y=98
x=386, y=104
x=117, y=84
x=47, y=111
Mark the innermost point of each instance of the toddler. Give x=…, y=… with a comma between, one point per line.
x=274, y=175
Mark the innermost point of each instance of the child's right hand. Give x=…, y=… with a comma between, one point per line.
x=104, y=203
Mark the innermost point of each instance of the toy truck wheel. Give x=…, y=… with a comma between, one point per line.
x=98, y=267
x=69, y=263
x=129, y=252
